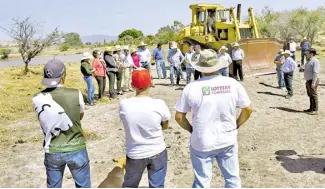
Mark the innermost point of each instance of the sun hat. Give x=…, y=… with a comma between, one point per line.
x=142, y=44
x=141, y=78
x=125, y=47
x=287, y=52
x=236, y=44
x=132, y=50
x=117, y=47
x=53, y=71
x=109, y=49
x=280, y=51
x=223, y=48
x=305, y=38
x=207, y=62
x=86, y=55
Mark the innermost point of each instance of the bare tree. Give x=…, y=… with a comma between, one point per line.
x=30, y=43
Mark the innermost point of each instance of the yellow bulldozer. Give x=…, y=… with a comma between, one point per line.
x=214, y=26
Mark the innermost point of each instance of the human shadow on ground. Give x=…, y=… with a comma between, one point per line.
x=272, y=94
x=287, y=109
x=168, y=84
x=295, y=163
x=322, y=85
x=267, y=85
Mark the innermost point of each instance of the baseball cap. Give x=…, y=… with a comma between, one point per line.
x=141, y=79
x=53, y=71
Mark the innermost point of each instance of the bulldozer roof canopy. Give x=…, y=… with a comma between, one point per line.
x=206, y=6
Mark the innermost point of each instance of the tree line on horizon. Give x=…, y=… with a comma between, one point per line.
x=297, y=23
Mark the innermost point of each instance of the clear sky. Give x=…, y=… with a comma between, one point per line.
x=110, y=17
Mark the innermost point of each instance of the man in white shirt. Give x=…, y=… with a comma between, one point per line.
x=238, y=56
x=188, y=63
x=128, y=65
x=145, y=57
x=292, y=48
x=144, y=118
x=288, y=67
x=213, y=100
x=211, y=22
x=226, y=57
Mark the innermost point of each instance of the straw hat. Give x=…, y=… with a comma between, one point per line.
x=236, y=44
x=132, y=50
x=110, y=49
x=117, y=47
x=207, y=62
x=173, y=45
x=287, y=52
x=223, y=48
x=86, y=55
x=126, y=47
x=281, y=51
x=142, y=44
x=305, y=38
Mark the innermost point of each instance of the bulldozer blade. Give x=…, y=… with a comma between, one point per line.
x=259, y=55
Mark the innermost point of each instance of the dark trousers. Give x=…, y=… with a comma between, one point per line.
x=303, y=57
x=157, y=168
x=313, y=97
x=101, y=80
x=197, y=75
x=288, y=82
x=237, y=66
x=111, y=79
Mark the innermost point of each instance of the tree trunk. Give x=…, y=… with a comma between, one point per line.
x=26, y=66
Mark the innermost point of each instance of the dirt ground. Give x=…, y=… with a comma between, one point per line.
x=278, y=147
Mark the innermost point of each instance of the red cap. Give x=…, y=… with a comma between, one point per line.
x=141, y=79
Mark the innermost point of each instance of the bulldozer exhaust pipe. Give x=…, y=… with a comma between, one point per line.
x=238, y=12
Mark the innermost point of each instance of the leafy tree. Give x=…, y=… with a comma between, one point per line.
x=73, y=39
x=30, y=44
x=178, y=26
x=127, y=40
x=267, y=22
x=131, y=32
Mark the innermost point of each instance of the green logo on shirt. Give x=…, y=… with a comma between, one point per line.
x=206, y=91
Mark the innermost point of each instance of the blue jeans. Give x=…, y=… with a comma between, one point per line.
x=227, y=159
x=225, y=71
x=161, y=68
x=90, y=88
x=157, y=168
x=175, y=70
x=189, y=72
x=280, y=75
x=77, y=162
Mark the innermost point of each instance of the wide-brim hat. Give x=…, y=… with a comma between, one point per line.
x=132, y=50
x=109, y=49
x=117, y=48
x=236, y=44
x=142, y=44
x=287, y=52
x=223, y=48
x=86, y=55
x=207, y=61
x=125, y=47
x=280, y=51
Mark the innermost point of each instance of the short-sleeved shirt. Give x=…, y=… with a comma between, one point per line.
x=142, y=117
x=158, y=54
x=213, y=101
x=279, y=58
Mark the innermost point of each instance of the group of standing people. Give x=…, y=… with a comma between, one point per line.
x=117, y=64
x=286, y=66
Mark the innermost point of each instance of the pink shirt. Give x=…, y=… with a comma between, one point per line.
x=99, y=67
x=136, y=60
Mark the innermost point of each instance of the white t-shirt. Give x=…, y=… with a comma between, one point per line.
x=213, y=101
x=188, y=60
x=293, y=46
x=142, y=117
x=226, y=57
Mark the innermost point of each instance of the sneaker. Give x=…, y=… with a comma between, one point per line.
x=312, y=113
x=120, y=93
x=288, y=96
x=92, y=104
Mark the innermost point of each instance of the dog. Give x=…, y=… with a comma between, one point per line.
x=115, y=178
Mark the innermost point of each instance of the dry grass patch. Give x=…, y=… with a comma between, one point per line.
x=17, y=89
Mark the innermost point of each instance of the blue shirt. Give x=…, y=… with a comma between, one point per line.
x=158, y=54
x=175, y=59
x=305, y=45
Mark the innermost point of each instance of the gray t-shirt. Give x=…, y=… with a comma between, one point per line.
x=279, y=58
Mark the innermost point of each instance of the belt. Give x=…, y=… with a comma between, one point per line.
x=144, y=62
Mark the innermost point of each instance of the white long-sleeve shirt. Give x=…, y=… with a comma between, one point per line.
x=289, y=65
x=226, y=57
x=238, y=54
x=145, y=55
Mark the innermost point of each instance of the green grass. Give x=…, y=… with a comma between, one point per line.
x=17, y=89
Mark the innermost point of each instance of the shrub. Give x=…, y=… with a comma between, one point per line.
x=5, y=53
x=64, y=47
